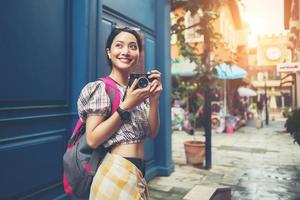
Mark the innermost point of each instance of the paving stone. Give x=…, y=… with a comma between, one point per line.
x=258, y=164
x=158, y=187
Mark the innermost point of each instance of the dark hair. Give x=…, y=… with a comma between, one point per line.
x=117, y=31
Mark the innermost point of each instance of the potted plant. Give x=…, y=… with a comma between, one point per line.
x=194, y=149
x=292, y=125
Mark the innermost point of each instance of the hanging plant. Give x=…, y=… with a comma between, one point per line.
x=292, y=125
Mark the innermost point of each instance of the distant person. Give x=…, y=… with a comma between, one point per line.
x=243, y=107
x=259, y=106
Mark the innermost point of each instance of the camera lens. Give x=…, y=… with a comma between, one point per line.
x=143, y=82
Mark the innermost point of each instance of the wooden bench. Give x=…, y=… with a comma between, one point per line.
x=200, y=192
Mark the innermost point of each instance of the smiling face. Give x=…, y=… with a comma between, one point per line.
x=124, y=51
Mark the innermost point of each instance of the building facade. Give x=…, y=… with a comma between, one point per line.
x=229, y=24
x=232, y=47
x=271, y=50
x=292, y=24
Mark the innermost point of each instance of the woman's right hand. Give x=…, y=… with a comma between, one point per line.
x=134, y=97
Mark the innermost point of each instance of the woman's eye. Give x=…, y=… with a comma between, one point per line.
x=133, y=47
x=119, y=45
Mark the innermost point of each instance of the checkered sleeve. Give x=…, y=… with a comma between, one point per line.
x=93, y=100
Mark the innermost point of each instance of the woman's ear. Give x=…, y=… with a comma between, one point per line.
x=108, y=53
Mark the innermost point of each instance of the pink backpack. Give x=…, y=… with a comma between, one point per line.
x=80, y=162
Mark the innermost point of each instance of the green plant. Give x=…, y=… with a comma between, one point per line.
x=286, y=111
x=184, y=90
x=205, y=27
x=292, y=125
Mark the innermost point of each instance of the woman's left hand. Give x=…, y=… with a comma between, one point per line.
x=156, y=86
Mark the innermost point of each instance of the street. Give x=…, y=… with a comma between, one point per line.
x=258, y=164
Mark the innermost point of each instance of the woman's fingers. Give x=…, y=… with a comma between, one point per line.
x=133, y=84
x=139, y=94
x=154, y=85
x=155, y=88
x=155, y=75
x=155, y=71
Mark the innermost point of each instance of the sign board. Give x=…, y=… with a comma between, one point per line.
x=288, y=67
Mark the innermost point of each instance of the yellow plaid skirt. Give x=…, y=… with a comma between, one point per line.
x=118, y=179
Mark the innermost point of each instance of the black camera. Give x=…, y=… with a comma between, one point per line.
x=143, y=80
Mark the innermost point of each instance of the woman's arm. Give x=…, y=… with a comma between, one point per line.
x=98, y=130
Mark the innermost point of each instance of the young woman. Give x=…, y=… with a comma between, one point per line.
x=121, y=174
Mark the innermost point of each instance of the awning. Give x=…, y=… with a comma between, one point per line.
x=183, y=67
x=246, y=92
x=225, y=71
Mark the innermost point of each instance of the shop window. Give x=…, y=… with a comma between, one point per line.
x=190, y=34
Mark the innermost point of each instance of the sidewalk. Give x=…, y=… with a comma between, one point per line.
x=258, y=164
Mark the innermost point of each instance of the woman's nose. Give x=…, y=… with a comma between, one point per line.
x=125, y=51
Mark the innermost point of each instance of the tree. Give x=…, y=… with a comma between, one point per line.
x=212, y=40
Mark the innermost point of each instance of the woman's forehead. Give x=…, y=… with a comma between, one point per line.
x=126, y=37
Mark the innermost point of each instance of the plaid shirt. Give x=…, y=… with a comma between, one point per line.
x=93, y=100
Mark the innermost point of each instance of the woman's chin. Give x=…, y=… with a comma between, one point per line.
x=125, y=66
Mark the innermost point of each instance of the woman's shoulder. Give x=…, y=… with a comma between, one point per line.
x=93, y=88
x=93, y=85
x=93, y=99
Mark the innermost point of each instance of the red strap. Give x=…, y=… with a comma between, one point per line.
x=113, y=92
x=77, y=127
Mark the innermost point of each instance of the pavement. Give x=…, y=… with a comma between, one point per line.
x=257, y=164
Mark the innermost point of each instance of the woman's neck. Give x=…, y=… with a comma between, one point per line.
x=120, y=77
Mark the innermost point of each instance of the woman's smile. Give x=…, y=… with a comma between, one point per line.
x=125, y=60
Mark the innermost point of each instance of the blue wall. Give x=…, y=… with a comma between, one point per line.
x=49, y=49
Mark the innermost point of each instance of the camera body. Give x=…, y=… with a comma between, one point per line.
x=143, y=80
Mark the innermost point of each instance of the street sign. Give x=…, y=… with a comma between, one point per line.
x=288, y=67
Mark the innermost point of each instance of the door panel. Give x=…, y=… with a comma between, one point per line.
x=103, y=68
x=140, y=12
x=35, y=87
x=149, y=54
x=34, y=161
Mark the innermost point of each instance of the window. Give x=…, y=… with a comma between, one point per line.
x=254, y=78
x=273, y=76
x=261, y=76
x=173, y=36
x=190, y=34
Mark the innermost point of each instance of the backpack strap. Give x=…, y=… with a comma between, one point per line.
x=113, y=92
x=77, y=127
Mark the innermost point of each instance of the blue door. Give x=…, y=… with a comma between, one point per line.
x=48, y=50
x=35, y=99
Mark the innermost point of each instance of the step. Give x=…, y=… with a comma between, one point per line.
x=208, y=193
